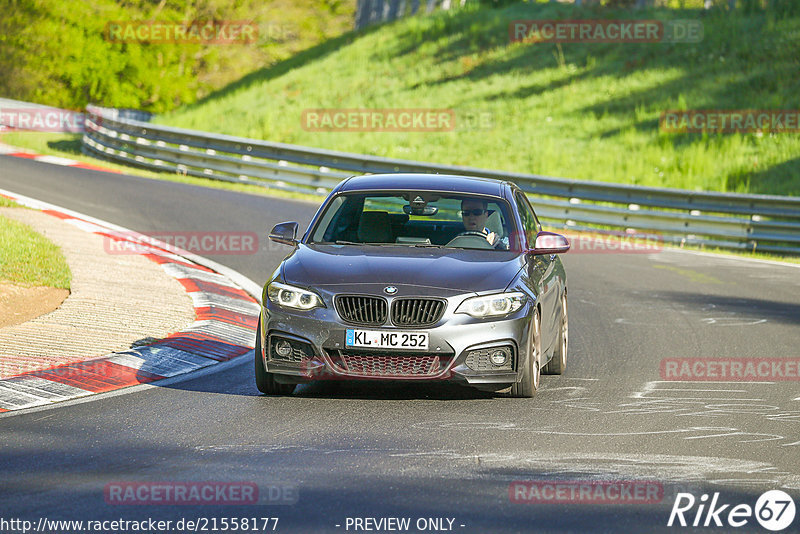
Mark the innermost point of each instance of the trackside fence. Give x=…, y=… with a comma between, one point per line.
x=766, y=223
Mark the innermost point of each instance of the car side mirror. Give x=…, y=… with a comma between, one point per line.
x=285, y=233
x=550, y=243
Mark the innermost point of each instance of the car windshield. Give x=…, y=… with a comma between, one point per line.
x=421, y=219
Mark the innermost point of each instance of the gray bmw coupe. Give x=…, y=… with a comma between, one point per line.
x=416, y=277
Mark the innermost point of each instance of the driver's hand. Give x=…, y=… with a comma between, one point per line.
x=491, y=238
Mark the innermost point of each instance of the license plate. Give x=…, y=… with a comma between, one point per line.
x=376, y=339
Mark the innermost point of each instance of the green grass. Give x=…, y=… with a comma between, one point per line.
x=57, y=52
x=8, y=203
x=29, y=259
x=582, y=111
x=738, y=254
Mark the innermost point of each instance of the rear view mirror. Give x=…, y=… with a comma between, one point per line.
x=420, y=210
x=550, y=243
x=285, y=233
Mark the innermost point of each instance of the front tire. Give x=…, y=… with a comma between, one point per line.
x=265, y=382
x=558, y=363
x=526, y=388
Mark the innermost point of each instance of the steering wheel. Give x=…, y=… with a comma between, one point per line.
x=472, y=233
x=471, y=239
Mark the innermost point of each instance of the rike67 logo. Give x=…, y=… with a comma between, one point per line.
x=774, y=510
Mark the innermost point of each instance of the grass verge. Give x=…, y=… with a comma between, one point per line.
x=738, y=254
x=28, y=258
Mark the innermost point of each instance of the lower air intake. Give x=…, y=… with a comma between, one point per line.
x=374, y=365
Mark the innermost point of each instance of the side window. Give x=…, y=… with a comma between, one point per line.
x=529, y=221
x=535, y=217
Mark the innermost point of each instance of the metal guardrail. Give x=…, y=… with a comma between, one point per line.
x=767, y=223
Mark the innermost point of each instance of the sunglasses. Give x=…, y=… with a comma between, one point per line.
x=476, y=212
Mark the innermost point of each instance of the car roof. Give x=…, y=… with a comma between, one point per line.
x=425, y=182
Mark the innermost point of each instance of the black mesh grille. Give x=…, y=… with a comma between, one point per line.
x=417, y=312
x=479, y=360
x=361, y=310
x=388, y=365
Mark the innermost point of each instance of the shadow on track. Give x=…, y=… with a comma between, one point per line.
x=772, y=310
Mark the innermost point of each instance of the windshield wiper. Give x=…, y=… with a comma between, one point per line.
x=340, y=242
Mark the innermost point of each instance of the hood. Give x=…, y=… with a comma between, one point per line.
x=459, y=270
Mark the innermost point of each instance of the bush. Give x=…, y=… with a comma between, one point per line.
x=55, y=51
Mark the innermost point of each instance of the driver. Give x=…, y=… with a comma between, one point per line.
x=474, y=213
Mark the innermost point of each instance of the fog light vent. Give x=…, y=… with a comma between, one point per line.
x=289, y=350
x=492, y=359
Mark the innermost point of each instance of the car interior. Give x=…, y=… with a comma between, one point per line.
x=359, y=220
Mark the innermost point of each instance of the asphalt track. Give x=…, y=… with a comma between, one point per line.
x=432, y=451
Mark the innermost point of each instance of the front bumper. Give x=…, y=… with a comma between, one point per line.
x=457, y=349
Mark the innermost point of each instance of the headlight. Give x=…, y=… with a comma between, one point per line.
x=492, y=305
x=293, y=297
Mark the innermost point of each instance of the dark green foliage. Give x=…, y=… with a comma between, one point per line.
x=55, y=51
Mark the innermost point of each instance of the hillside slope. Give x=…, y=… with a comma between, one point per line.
x=60, y=53
x=577, y=110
